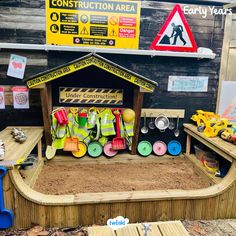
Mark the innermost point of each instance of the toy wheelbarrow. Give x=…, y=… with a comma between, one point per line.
x=118, y=143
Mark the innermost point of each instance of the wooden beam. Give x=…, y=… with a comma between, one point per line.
x=46, y=114
x=172, y=113
x=137, y=106
x=224, y=57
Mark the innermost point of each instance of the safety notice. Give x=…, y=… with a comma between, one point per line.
x=112, y=24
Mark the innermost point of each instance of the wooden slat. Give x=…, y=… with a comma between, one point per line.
x=173, y=113
x=225, y=56
x=200, y=167
x=129, y=230
x=101, y=231
x=15, y=150
x=225, y=149
x=175, y=229
x=154, y=230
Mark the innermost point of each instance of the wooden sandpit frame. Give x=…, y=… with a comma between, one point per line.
x=30, y=206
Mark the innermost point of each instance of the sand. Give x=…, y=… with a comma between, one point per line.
x=76, y=178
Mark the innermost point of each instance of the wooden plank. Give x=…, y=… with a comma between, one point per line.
x=137, y=106
x=176, y=229
x=129, y=230
x=46, y=114
x=101, y=231
x=20, y=25
x=120, y=158
x=33, y=96
x=35, y=60
x=200, y=167
x=172, y=113
x=15, y=150
x=224, y=57
x=154, y=230
x=30, y=176
x=22, y=11
x=225, y=149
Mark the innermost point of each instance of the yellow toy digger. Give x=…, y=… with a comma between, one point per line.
x=204, y=119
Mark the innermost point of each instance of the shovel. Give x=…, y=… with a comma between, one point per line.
x=71, y=143
x=118, y=143
x=6, y=216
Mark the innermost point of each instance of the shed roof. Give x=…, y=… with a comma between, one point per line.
x=91, y=59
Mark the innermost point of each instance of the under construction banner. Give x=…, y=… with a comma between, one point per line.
x=91, y=96
x=111, y=24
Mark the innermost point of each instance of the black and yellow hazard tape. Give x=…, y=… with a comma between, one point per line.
x=92, y=59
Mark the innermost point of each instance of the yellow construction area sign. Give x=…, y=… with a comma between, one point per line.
x=91, y=96
x=111, y=24
x=89, y=61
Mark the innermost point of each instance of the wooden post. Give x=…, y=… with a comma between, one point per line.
x=46, y=114
x=137, y=106
x=188, y=144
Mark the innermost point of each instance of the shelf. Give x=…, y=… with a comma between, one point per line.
x=200, y=167
x=225, y=149
x=152, y=53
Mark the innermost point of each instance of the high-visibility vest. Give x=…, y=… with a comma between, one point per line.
x=129, y=127
x=80, y=132
x=59, y=133
x=107, y=125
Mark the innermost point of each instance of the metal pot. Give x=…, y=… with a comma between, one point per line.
x=162, y=122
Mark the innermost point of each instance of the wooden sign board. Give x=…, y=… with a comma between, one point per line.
x=90, y=96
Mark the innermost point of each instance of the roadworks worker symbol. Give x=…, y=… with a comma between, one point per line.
x=175, y=34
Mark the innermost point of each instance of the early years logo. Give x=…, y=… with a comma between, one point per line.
x=118, y=222
x=204, y=11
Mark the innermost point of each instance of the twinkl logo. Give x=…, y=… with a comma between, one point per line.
x=118, y=222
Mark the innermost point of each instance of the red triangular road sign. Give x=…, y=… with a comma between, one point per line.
x=175, y=34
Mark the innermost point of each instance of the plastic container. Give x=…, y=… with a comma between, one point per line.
x=203, y=155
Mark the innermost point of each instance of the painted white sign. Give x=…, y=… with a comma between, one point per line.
x=20, y=97
x=188, y=83
x=2, y=98
x=16, y=66
x=227, y=106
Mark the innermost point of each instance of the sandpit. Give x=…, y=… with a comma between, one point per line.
x=76, y=178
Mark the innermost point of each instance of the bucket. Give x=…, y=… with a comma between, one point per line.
x=82, y=119
x=174, y=148
x=144, y=148
x=82, y=149
x=109, y=152
x=159, y=148
x=95, y=149
x=61, y=116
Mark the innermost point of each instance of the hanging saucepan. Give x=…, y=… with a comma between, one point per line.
x=162, y=122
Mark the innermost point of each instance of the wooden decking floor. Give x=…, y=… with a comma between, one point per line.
x=169, y=228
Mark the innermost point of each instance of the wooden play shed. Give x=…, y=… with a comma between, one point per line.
x=133, y=85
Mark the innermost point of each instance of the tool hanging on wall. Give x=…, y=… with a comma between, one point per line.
x=118, y=143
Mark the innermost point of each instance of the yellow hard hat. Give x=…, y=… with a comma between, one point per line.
x=128, y=115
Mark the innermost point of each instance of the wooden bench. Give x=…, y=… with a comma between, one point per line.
x=15, y=151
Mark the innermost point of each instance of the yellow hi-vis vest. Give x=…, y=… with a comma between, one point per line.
x=107, y=125
x=80, y=132
x=59, y=133
x=129, y=127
